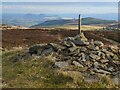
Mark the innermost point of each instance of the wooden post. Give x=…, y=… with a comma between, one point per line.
x=79, y=24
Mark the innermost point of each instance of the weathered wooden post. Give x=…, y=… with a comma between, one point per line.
x=79, y=24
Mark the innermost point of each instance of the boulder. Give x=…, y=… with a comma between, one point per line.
x=33, y=49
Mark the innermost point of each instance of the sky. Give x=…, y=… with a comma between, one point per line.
x=60, y=0
x=59, y=7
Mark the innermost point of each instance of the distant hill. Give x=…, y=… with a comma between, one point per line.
x=85, y=21
x=26, y=20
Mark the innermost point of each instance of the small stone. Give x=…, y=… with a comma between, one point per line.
x=98, y=43
x=61, y=64
x=104, y=61
x=72, y=49
x=107, y=52
x=96, y=64
x=94, y=57
x=82, y=57
x=83, y=49
x=115, y=57
x=110, y=69
x=101, y=71
x=77, y=64
x=92, y=47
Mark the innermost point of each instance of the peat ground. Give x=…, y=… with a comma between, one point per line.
x=15, y=38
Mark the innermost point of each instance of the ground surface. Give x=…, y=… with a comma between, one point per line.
x=15, y=38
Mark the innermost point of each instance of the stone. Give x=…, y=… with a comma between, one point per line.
x=47, y=51
x=33, y=49
x=104, y=60
x=98, y=43
x=94, y=57
x=111, y=69
x=101, y=71
x=80, y=37
x=55, y=46
x=92, y=47
x=80, y=40
x=115, y=57
x=77, y=64
x=72, y=49
x=96, y=64
x=61, y=64
x=107, y=52
x=113, y=49
x=82, y=57
x=83, y=49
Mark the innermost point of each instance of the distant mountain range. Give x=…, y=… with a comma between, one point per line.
x=34, y=20
x=26, y=20
x=85, y=21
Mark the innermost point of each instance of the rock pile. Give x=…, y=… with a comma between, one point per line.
x=79, y=52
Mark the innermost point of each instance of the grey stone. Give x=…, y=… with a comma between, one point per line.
x=33, y=49
x=80, y=40
x=115, y=57
x=72, y=49
x=104, y=60
x=47, y=51
x=80, y=37
x=107, y=52
x=92, y=47
x=96, y=64
x=55, y=46
x=61, y=64
x=101, y=71
x=101, y=54
x=82, y=57
x=77, y=64
x=94, y=57
x=98, y=43
x=111, y=69
x=83, y=49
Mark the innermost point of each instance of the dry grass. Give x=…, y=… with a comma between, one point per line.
x=67, y=27
x=39, y=73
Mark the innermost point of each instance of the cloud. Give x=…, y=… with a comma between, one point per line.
x=53, y=8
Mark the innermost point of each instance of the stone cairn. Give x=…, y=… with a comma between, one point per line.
x=79, y=52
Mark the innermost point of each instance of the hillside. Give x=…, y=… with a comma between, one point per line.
x=26, y=20
x=85, y=21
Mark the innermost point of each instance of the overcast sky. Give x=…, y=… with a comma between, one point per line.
x=60, y=7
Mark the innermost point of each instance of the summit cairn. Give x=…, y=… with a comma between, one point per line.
x=93, y=57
